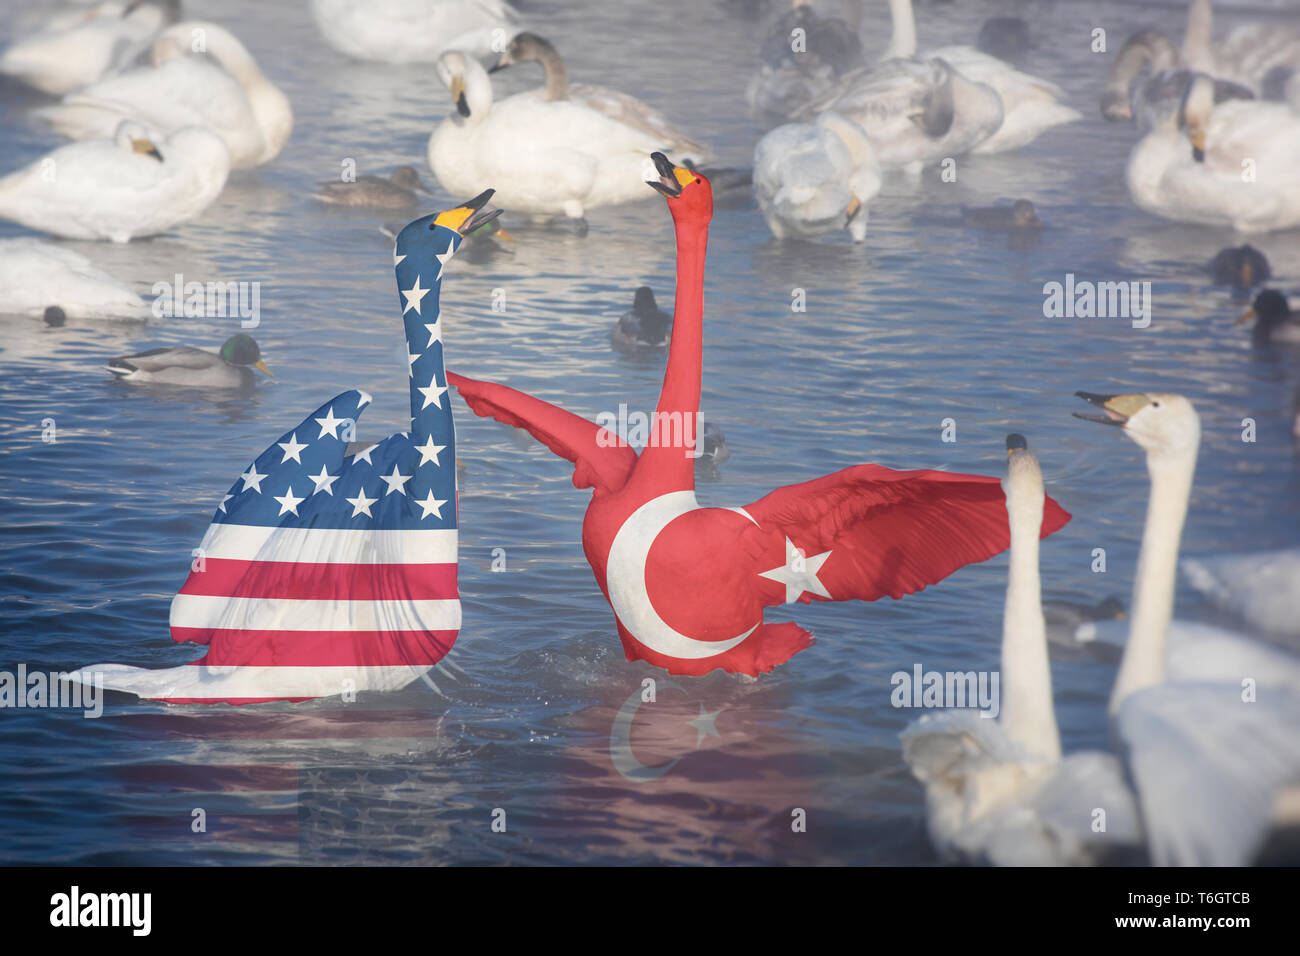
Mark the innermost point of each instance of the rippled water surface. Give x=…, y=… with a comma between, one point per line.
x=924, y=322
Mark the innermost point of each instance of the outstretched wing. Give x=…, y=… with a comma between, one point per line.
x=601, y=461
x=893, y=532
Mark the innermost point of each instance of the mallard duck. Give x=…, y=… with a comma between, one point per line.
x=398, y=190
x=713, y=452
x=1274, y=320
x=1070, y=624
x=1240, y=267
x=1019, y=215
x=644, y=326
x=182, y=365
x=1006, y=38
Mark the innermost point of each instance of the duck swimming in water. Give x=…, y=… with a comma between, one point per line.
x=399, y=189
x=228, y=367
x=644, y=326
x=1240, y=267
x=1019, y=215
x=1274, y=320
x=688, y=584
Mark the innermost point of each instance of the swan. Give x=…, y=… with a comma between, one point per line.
x=37, y=276
x=219, y=86
x=1246, y=55
x=998, y=790
x=644, y=326
x=1030, y=105
x=552, y=158
x=398, y=190
x=787, y=79
x=625, y=109
x=78, y=50
x=118, y=188
x=1160, y=93
x=1234, y=164
x=1274, y=320
x=413, y=31
x=1258, y=588
x=914, y=111
x=228, y=367
x=1240, y=267
x=813, y=178
x=1206, y=720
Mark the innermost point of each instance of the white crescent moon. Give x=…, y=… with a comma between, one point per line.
x=620, y=741
x=625, y=580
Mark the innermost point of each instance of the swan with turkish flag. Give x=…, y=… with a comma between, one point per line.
x=328, y=570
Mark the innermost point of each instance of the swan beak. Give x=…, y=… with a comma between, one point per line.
x=1197, y=136
x=854, y=208
x=458, y=95
x=1118, y=408
x=261, y=367
x=1248, y=317
x=1016, y=443
x=672, y=179
x=145, y=147
x=467, y=217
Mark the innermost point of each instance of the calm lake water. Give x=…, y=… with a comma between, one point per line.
x=924, y=322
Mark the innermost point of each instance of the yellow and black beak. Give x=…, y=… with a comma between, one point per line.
x=145, y=147
x=1016, y=443
x=1197, y=136
x=468, y=216
x=855, y=207
x=672, y=179
x=1118, y=408
x=261, y=366
x=458, y=95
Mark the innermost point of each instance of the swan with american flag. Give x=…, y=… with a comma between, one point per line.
x=327, y=570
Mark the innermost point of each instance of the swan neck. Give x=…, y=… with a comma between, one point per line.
x=557, y=76
x=902, y=41
x=1200, y=29
x=1143, y=664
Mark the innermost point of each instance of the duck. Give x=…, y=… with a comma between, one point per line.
x=37, y=276
x=553, y=157
x=399, y=189
x=1070, y=624
x=413, y=31
x=377, y=524
x=818, y=177
x=1240, y=267
x=1148, y=101
x=1273, y=318
x=1207, y=767
x=1019, y=215
x=642, y=327
x=628, y=110
x=83, y=47
x=1190, y=166
x=221, y=88
x=1006, y=38
x=998, y=789
x=135, y=184
x=1030, y=104
x=713, y=452
x=788, y=79
x=858, y=534
x=1256, y=587
x=228, y=367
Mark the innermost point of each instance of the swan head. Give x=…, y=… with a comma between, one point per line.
x=436, y=233
x=137, y=138
x=1194, y=113
x=468, y=82
x=1164, y=424
x=527, y=48
x=690, y=197
x=1143, y=47
x=242, y=349
x=1023, y=484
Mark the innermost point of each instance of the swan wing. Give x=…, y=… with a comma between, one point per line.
x=1258, y=588
x=629, y=111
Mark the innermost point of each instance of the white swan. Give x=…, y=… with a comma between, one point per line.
x=118, y=188
x=414, y=31
x=1208, y=722
x=788, y=78
x=545, y=158
x=814, y=178
x=1235, y=164
x=1030, y=105
x=999, y=791
x=35, y=275
x=73, y=51
x=1261, y=588
x=914, y=111
x=1159, y=94
x=1246, y=55
x=201, y=76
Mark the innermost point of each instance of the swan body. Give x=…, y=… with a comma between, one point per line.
x=1191, y=166
x=74, y=52
x=222, y=89
x=1151, y=98
x=814, y=178
x=119, y=188
x=1261, y=588
x=549, y=157
x=35, y=275
x=413, y=31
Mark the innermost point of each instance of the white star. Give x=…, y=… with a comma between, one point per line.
x=396, y=481
x=364, y=455
x=429, y=451
x=361, y=504
x=432, y=392
x=289, y=502
x=222, y=507
x=432, y=505
x=798, y=574
x=703, y=725
x=252, y=479
x=363, y=399
x=324, y=481
x=410, y=361
x=397, y=260
x=442, y=257
x=292, y=448
x=329, y=424
x=413, y=296
x=435, y=331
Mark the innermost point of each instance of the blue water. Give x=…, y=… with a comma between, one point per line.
x=926, y=321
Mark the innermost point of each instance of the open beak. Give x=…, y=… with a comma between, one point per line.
x=469, y=216
x=672, y=178
x=1248, y=317
x=1118, y=408
x=145, y=147
x=261, y=366
x=458, y=95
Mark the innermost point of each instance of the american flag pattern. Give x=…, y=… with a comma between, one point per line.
x=325, y=572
